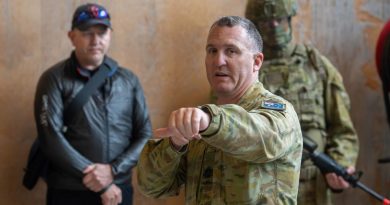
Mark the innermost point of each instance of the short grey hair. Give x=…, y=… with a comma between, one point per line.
x=250, y=28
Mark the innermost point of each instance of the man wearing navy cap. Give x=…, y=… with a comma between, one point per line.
x=90, y=161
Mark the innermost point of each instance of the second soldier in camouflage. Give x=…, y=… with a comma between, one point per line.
x=308, y=80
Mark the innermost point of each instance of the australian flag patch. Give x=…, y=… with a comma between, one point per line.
x=273, y=105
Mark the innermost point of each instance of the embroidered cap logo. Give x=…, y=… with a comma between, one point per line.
x=93, y=13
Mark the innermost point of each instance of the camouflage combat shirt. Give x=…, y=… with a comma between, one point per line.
x=249, y=154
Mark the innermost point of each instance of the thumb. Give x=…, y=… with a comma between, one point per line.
x=351, y=170
x=204, y=121
x=89, y=168
x=161, y=133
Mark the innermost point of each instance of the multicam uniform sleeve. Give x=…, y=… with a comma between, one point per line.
x=342, y=142
x=160, y=169
x=258, y=136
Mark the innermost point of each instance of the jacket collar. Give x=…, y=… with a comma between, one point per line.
x=85, y=73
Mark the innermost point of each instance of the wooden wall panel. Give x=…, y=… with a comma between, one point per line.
x=163, y=43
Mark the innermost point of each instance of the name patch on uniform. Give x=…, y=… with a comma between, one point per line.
x=273, y=105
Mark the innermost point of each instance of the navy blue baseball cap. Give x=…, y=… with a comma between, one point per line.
x=90, y=14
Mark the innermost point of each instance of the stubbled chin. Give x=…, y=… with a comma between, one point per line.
x=95, y=59
x=221, y=87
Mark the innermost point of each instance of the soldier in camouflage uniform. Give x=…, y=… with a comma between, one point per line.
x=307, y=79
x=246, y=149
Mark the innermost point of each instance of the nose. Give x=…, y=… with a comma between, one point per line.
x=95, y=39
x=219, y=59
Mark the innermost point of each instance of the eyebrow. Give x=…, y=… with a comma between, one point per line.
x=209, y=46
x=224, y=45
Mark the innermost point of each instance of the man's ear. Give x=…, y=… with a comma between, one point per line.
x=258, y=61
x=71, y=36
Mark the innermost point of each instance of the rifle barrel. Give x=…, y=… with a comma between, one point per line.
x=326, y=164
x=373, y=193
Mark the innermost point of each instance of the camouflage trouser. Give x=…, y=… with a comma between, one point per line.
x=312, y=188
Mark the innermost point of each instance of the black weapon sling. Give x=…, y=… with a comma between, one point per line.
x=37, y=162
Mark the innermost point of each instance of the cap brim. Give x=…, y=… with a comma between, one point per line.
x=94, y=22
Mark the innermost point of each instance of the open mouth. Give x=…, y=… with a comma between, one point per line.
x=221, y=74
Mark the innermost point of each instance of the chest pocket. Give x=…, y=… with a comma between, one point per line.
x=296, y=80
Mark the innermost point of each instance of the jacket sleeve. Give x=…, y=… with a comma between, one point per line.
x=257, y=136
x=142, y=131
x=342, y=142
x=48, y=109
x=161, y=169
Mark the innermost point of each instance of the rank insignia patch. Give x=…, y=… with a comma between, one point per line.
x=273, y=105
